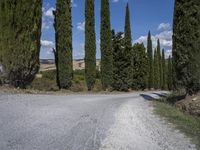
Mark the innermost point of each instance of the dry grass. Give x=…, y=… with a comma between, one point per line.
x=188, y=124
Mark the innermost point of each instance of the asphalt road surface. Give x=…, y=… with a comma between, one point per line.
x=85, y=122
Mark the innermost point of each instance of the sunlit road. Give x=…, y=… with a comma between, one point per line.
x=85, y=122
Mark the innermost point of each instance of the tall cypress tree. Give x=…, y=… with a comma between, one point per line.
x=140, y=67
x=1, y=27
x=156, y=70
x=20, y=39
x=159, y=65
x=186, y=43
x=63, y=34
x=150, y=61
x=164, y=70
x=169, y=75
x=106, y=46
x=119, y=63
x=90, y=44
x=128, y=48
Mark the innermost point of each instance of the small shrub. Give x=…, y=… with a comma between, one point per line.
x=51, y=74
x=44, y=84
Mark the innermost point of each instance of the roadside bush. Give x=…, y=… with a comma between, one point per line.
x=48, y=82
x=51, y=74
x=79, y=72
x=44, y=84
x=98, y=86
x=78, y=86
x=173, y=98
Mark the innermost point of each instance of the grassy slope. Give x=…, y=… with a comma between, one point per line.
x=186, y=123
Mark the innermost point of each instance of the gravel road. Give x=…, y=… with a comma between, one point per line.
x=85, y=122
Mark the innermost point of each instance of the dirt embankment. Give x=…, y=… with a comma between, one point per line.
x=191, y=105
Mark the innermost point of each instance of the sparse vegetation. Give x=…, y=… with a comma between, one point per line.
x=48, y=82
x=188, y=124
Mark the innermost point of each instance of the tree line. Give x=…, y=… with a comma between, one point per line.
x=124, y=65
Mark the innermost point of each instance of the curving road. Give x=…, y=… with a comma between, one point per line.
x=85, y=122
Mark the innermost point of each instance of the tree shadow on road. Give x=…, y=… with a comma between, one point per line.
x=147, y=97
x=161, y=94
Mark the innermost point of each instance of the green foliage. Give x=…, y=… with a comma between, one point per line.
x=160, y=79
x=106, y=46
x=120, y=72
x=170, y=74
x=1, y=27
x=63, y=34
x=164, y=71
x=90, y=44
x=128, y=48
x=51, y=74
x=186, y=45
x=44, y=84
x=20, y=31
x=140, y=67
x=150, y=61
x=156, y=70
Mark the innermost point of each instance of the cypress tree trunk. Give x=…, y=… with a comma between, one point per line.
x=63, y=32
x=164, y=70
x=169, y=76
x=90, y=44
x=128, y=48
x=186, y=43
x=159, y=65
x=150, y=61
x=156, y=70
x=20, y=39
x=106, y=46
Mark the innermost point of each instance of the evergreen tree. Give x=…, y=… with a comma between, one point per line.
x=140, y=67
x=186, y=43
x=128, y=48
x=20, y=31
x=169, y=76
x=156, y=70
x=119, y=63
x=106, y=46
x=63, y=34
x=150, y=61
x=160, y=80
x=90, y=44
x=164, y=70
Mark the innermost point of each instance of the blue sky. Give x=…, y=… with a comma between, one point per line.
x=154, y=15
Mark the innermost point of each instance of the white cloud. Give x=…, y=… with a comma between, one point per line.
x=81, y=26
x=164, y=26
x=49, y=12
x=78, y=50
x=73, y=4
x=168, y=53
x=165, y=41
x=47, y=44
x=115, y=1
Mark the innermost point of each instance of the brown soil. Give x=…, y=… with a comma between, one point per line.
x=191, y=105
